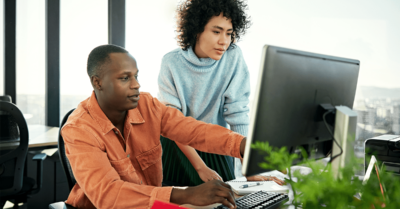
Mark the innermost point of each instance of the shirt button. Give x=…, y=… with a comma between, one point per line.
x=129, y=155
x=116, y=132
x=141, y=182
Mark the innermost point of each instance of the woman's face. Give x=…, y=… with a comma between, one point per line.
x=215, y=38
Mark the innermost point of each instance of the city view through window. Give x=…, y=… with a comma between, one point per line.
x=378, y=113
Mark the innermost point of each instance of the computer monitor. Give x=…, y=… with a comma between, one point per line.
x=291, y=86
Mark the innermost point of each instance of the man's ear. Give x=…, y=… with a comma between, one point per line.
x=96, y=82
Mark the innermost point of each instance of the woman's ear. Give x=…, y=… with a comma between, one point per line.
x=96, y=82
x=233, y=38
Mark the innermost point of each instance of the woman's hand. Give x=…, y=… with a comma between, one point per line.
x=265, y=178
x=206, y=174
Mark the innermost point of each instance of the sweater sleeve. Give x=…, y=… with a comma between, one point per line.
x=166, y=86
x=237, y=98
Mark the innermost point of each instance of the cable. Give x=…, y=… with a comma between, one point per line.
x=333, y=137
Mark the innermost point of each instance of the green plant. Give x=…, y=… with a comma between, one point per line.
x=322, y=189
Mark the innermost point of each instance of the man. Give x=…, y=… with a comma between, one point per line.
x=112, y=141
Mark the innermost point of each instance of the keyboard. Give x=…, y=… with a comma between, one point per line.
x=259, y=200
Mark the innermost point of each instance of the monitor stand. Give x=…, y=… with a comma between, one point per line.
x=345, y=134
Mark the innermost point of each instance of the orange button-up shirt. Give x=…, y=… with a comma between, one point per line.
x=126, y=172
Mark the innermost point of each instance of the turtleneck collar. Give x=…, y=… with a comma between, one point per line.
x=190, y=56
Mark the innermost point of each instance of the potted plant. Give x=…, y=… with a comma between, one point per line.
x=322, y=189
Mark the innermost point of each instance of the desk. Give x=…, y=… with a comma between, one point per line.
x=39, y=136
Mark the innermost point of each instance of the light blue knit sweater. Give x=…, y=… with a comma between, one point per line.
x=212, y=91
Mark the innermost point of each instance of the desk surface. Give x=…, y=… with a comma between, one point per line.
x=39, y=136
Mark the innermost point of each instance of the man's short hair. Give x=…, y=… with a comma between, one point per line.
x=99, y=56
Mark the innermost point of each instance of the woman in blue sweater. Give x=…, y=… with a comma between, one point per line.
x=207, y=79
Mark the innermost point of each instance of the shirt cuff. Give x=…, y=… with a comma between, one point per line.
x=241, y=129
x=160, y=193
x=235, y=145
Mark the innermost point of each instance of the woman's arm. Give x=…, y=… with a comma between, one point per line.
x=205, y=173
x=168, y=95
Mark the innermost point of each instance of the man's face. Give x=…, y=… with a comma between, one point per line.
x=119, y=84
x=215, y=39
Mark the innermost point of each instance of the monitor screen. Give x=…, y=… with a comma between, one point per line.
x=291, y=85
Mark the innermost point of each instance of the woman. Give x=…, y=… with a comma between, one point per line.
x=207, y=78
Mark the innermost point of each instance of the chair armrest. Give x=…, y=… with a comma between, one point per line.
x=60, y=205
x=39, y=158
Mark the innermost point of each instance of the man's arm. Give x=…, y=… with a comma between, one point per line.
x=99, y=180
x=197, y=134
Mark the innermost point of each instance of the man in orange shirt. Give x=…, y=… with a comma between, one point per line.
x=112, y=141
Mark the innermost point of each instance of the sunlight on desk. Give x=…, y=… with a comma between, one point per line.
x=47, y=138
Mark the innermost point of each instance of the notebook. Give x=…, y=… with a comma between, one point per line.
x=269, y=186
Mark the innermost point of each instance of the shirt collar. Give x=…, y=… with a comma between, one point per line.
x=133, y=116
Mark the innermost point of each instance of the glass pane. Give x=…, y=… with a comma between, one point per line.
x=84, y=25
x=149, y=36
x=30, y=62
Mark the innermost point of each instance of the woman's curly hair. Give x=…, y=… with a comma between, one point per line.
x=193, y=15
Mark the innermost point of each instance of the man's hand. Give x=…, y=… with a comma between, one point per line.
x=265, y=178
x=242, y=146
x=206, y=174
x=211, y=192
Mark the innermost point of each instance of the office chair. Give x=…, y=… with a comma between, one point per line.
x=14, y=185
x=65, y=164
x=6, y=98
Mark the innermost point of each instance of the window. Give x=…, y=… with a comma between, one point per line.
x=83, y=26
x=150, y=34
x=30, y=60
x=341, y=28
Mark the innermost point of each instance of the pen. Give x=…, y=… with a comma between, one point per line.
x=250, y=185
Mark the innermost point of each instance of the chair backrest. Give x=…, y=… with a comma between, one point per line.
x=63, y=157
x=12, y=163
x=6, y=98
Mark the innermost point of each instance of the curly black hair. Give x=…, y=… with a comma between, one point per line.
x=193, y=15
